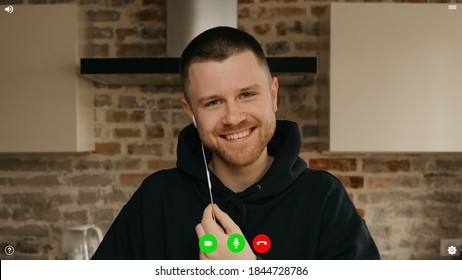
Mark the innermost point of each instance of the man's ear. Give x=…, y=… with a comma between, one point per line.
x=274, y=93
x=187, y=108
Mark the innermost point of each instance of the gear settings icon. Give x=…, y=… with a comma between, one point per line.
x=452, y=250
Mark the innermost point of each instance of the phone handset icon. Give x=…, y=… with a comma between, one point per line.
x=261, y=243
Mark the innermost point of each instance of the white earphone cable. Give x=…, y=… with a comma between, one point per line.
x=208, y=177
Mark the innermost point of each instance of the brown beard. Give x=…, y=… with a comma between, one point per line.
x=248, y=155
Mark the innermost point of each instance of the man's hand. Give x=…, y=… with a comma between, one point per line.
x=208, y=225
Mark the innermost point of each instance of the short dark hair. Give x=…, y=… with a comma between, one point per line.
x=218, y=44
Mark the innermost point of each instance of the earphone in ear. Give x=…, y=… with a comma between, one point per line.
x=194, y=121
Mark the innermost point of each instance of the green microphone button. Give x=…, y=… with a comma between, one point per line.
x=236, y=243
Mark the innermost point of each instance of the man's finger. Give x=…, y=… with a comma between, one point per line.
x=208, y=224
x=200, y=231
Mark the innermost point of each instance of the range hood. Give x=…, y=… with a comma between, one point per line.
x=185, y=20
x=163, y=71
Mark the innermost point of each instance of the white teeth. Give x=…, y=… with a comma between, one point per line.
x=238, y=135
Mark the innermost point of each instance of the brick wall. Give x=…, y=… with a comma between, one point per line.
x=409, y=201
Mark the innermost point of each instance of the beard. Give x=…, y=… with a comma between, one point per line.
x=247, y=154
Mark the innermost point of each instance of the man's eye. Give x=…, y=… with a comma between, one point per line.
x=247, y=94
x=213, y=103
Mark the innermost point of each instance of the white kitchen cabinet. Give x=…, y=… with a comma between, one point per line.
x=44, y=105
x=394, y=80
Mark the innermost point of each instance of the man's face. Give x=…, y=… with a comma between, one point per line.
x=234, y=103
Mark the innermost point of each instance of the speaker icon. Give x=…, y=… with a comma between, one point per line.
x=9, y=9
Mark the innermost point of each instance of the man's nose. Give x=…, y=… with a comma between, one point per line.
x=233, y=115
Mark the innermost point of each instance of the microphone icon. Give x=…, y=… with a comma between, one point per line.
x=236, y=243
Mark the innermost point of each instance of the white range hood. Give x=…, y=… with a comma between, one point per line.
x=185, y=20
x=188, y=18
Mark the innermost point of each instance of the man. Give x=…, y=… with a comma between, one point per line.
x=259, y=183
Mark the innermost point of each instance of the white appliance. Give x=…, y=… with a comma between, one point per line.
x=80, y=242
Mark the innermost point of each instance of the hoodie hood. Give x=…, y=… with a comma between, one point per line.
x=285, y=169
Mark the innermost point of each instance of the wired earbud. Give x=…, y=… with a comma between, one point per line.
x=194, y=121
x=209, y=183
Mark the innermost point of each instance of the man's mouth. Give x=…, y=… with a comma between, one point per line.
x=238, y=135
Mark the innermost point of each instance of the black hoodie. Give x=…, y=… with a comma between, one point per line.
x=306, y=213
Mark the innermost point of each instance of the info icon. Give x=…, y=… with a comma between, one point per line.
x=261, y=243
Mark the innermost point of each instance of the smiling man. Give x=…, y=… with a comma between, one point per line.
x=259, y=183
x=234, y=102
